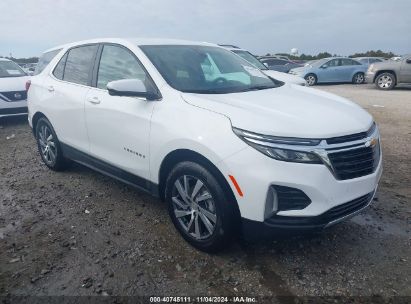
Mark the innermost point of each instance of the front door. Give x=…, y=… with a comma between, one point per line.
x=119, y=127
x=405, y=72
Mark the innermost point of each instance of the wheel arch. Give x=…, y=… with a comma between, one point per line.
x=180, y=155
x=385, y=71
x=35, y=119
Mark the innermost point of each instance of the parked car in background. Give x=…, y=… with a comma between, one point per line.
x=369, y=60
x=280, y=65
x=13, y=95
x=287, y=78
x=387, y=74
x=334, y=69
x=29, y=68
x=229, y=150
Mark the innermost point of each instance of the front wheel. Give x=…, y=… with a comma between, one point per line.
x=385, y=81
x=311, y=79
x=198, y=207
x=358, y=78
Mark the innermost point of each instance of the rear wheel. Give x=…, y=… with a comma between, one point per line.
x=49, y=146
x=199, y=207
x=311, y=79
x=385, y=81
x=358, y=78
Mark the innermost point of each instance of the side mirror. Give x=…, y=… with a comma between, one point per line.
x=132, y=88
x=324, y=66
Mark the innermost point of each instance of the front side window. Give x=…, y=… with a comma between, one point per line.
x=45, y=60
x=206, y=69
x=79, y=64
x=332, y=63
x=118, y=63
x=10, y=69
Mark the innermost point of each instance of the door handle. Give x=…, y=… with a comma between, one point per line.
x=50, y=89
x=94, y=100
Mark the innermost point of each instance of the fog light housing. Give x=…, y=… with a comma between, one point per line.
x=281, y=198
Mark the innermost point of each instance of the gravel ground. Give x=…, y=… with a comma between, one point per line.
x=81, y=233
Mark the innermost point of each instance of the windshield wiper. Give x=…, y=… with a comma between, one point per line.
x=257, y=88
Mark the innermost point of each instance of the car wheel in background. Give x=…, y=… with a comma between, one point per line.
x=385, y=81
x=49, y=146
x=311, y=79
x=199, y=207
x=358, y=78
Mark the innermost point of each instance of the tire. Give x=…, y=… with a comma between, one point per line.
x=385, y=81
x=358, y=78
x=311, y=79
x=206, y=219
x=49, y=146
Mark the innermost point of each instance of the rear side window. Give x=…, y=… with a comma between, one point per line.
x=59, y=69
x=118, y=63
x=45, y=60
x=79, y=64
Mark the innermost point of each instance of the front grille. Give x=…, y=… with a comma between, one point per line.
x=320, y=221
x=348, y=208
x=356, y=162
x=13, y=96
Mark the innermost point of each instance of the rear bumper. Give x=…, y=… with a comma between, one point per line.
x=280, y=225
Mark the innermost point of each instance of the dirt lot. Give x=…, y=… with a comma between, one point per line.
x=81, y=233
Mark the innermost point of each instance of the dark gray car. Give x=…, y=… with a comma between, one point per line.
x=387, y=74
x=280, y=65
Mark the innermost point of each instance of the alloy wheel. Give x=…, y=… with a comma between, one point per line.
x=47, y=144
x=385, y=82
x=359, y=78
x=311, y=80
x=194, y=207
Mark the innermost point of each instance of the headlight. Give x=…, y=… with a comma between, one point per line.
x=281, y=148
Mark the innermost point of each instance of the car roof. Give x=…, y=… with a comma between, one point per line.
x=136, y=41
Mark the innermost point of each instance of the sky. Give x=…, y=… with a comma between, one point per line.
x=28, y=27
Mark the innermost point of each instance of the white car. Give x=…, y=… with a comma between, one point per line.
x=284, y=77
x=13, y=95
x=229, y=150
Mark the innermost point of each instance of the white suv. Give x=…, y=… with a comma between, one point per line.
x=223, y=144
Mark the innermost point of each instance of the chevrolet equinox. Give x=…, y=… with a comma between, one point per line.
x=227, y=147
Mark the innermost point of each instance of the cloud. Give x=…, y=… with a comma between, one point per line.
x=28, y=27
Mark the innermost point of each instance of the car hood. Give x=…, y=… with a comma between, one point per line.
x=284, y=77
x=289, y=110
x=10, y=84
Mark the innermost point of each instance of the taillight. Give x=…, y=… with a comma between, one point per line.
x=28, y=83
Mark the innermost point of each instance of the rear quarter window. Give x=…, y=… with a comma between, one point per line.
x=79, y=63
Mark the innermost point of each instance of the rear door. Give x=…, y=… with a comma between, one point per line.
x=348, y=69
x=119, y=127
x=66, y=90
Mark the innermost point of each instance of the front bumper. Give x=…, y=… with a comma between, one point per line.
x=280, y=225
x=255, y=173
x=369, y=77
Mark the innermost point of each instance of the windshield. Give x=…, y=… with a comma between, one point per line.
x=206, y=69
x=251, y=59
x=10, y=69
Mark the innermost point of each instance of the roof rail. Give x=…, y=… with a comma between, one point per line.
x=229, y=45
